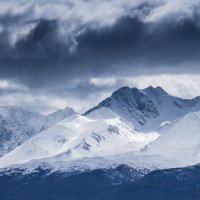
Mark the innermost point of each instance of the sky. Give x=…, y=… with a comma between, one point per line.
x=58, y=53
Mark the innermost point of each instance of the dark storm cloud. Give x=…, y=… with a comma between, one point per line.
x=133, y=43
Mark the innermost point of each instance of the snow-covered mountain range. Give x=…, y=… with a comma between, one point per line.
x=143, y=127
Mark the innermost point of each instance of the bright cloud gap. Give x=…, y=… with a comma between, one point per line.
x=45, y=101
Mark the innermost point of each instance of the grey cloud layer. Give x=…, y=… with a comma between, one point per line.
x=60, y=42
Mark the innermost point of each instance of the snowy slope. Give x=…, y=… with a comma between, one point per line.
x=149, y=107
x=101, y=133
x=18, y=125
x=180, y=139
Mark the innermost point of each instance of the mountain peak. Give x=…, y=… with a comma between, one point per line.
x=123, y=89
x=156, y=90
x=66, y=111
x=150, y=89
x=58, y=115
x=126, y=91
